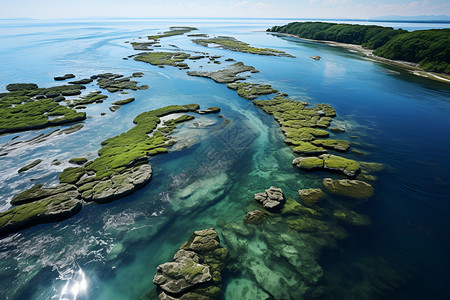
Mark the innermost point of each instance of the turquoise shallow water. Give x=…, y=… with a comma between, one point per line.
x=399, y=119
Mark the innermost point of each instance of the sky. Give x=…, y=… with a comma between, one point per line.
x=358, y=9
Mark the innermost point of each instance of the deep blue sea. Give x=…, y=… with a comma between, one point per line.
x=111, y=251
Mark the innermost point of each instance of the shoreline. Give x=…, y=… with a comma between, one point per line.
x=412, y=68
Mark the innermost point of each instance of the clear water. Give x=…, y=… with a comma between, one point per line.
x=111, y=251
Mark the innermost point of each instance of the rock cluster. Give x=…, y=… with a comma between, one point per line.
x=116, y=186
x=271, y=199
x=227, y=75
x=195, y=272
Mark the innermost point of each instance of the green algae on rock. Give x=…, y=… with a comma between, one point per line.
x=254, y=217
x=119, y=151
x=352, y=218
x=174, y=59
x=310, y=197
x=53, y=208
x=339, y=145
x=78, y=160
x=209, y=110
x=328, y=162
x=251, y=91
x=124, y=101
x=21, y=110
x=38, y=192
x=93, y=97
x=173, y=31
x=30, y=166
x=227, y=75
x=350, y=188
x=196, y=270
x=233, y=44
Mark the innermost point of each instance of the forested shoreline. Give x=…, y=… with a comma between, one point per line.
x=429, y=48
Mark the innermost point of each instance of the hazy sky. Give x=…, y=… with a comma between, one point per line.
x=45, y=9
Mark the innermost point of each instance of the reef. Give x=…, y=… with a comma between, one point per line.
x=93, y=97
x=293, y=237
x=174, y=59
x=251, y=91
x=26, y=107
x=115, y=82
x=40, y=206
x=233, y=44
x=227, y=75
x=120, y=169
x=196, y=269
x=173, y=31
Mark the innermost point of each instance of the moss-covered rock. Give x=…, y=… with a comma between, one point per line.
x=307, y=148
x=116, y=186
x=38, y=192
x=71, y=175
x=350, y=188
x=124, y=101
x=251, y=91
x=210, y=110
x=254, y=217
x=339, y=145
x=173, y=31
x=292, y=207
x=78, y=160
x=174, y=59
x=196, y=270
x=30, y=166
x=53, y=208
x=22, y=110
x=233, y=44
x=227, y=75
x=310, y=197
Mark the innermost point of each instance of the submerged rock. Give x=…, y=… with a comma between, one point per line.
x=351, y=217
x=310, y=197
x=196, y=270
x=254, y=217
x=271, y=199
x=350, y=188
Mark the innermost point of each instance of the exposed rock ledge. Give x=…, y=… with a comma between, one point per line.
x=195, y=272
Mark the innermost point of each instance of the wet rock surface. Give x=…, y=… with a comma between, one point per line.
x=271, y=199
x=195, y=272
x=115, y=187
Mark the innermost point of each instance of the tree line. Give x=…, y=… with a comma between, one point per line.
x=429, y=48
